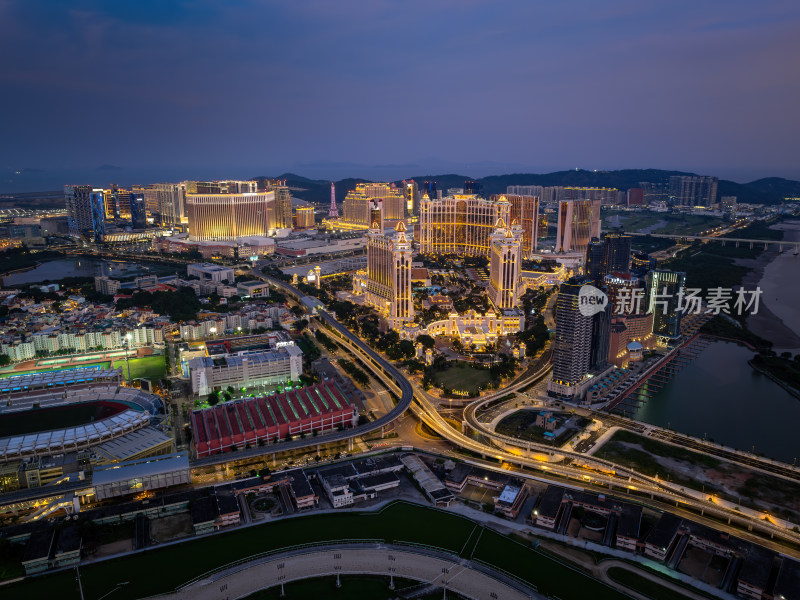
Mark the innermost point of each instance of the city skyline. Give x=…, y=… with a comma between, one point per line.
x=447, y=87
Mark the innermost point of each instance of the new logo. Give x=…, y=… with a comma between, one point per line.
x=591, y=300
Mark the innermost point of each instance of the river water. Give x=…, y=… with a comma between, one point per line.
x=87, y=267
x=721, y=397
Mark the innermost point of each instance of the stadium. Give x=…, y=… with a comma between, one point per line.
x=57, y=412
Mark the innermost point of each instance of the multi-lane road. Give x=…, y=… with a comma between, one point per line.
x=570, y=465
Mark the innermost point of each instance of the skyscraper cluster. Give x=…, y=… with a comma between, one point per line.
x=638, y=313
x=219, y=210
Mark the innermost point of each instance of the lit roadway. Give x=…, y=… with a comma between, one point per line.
x=423, y=405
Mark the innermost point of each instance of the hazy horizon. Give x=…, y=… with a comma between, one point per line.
x=51, y=180
x=174, y=90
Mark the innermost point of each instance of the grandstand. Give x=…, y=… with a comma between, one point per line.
x=97, y=391
x=72, y=439
x=19, y=385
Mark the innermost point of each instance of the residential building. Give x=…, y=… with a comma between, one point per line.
x=106, y=285
x=693, y=190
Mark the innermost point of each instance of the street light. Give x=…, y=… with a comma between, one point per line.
x=128, y=338
x=213, y=331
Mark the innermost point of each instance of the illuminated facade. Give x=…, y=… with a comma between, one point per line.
x=356, y=205
x=304, y=217
x=473, y=328
x=504, y=265
x=411, y=193
x=386, y=283
x=229, y=216
x=578, y=223
x=572, y=347
x=664, y=290
x=282, y=207
x=525, y=210
x=166, y=202
x=460, y=224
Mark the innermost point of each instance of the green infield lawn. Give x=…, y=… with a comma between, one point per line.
x=463, y=377
x=148, y=367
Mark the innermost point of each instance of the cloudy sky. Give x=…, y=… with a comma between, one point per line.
x=246, y=87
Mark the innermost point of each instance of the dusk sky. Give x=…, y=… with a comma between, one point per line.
x=245, y=87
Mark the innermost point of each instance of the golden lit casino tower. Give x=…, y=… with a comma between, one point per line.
x=355, y=208
x=226, y=217
x=504, y=264
x=525, y=210
x=387, y=280
x=578, y=223
x=459, y=224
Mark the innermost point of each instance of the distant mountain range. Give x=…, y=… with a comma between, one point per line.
x=770, y=190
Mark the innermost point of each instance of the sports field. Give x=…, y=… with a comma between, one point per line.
x=397, y=522
x=148, y=367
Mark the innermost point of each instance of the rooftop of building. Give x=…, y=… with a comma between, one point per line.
x=145, y=467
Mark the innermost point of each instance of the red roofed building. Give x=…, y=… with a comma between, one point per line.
x=252, y=421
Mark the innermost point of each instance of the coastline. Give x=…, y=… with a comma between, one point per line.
x=793, y=391
x=766, y=323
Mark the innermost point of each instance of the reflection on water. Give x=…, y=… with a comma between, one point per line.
x=85, y=267
x=720, y=397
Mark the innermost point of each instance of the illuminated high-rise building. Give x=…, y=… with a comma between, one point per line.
x=79, y=208
x=504, y=265
x=664, y=290
x=282, y=207
x=355, y=208
x=525, y=210
x=572, y=346
x=386, y=282
x=461, y=224
x=411, y=193
x=228, y=186
x=214, y=217
x=138, y=210
x=166, y=203
x=304, y=217
x=578, y=223
x=431, y=188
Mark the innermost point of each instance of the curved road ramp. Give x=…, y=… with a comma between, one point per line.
x=433, y=567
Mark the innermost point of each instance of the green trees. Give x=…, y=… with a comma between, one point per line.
x=426, y=340
x=213, y=398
